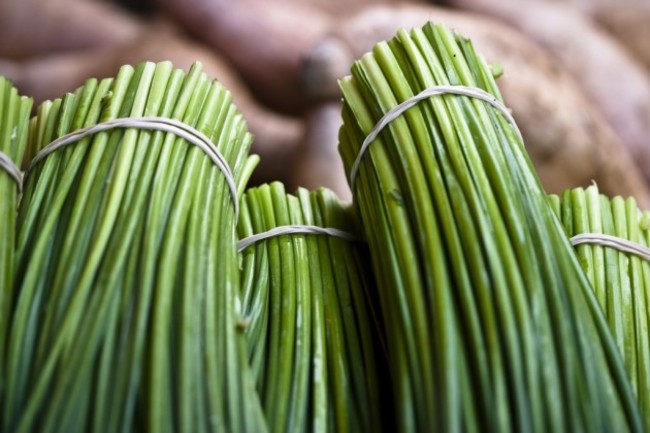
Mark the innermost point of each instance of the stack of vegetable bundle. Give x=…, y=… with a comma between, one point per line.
x=491, y=324
x=620, y=279
x=125, y=306
x=310, y=330
x=125, y=311
x=14, y=120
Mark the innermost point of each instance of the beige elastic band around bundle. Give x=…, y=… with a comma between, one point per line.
x=394, y=113
x=12, y=169
x=615, y=242
x=163, y=124
x=294, y=229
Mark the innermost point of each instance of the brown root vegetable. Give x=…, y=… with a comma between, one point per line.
x=629, y=23
x=10, y=68
x=35, y=27
x=264, y=40
x=610, y=77
x=276, y=136
x=569, y=142
x=589, y=5
x=318, y=163
x=343, y=7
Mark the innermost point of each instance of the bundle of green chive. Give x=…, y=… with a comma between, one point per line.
x=620, y=280
x=125, y=310
x=310, y=331
x=14, y=121
x=491, y=324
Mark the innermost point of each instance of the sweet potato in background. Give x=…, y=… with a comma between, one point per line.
x=282, y=58
x=629, y=23
x=47, y=77
x=264, y=40
x=41, y=27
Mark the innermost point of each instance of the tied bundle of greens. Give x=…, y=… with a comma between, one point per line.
x=491, y=323
x=125, y=315
x=14, y=121
x=620, y=279
x=312, y=340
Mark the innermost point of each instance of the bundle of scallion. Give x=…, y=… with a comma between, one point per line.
x=312, y=340
x=619, y=272
x=125, y=315
x=14, y=121
x=491, y=324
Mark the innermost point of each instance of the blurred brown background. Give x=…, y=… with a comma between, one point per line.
x=576, y=72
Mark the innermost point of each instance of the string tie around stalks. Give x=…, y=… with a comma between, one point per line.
x=294, y=229
x=615, y=242
x=12, y=169
x=395, y=112
x=173, y=126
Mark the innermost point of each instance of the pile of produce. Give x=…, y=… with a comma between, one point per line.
x=147, y=287
x=576, y=64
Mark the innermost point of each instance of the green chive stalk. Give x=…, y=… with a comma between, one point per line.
x=312, y=339
x=126, y=306
x=14, y=120
x=491, y=324
x=619, y=279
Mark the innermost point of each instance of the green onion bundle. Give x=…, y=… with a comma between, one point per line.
x=491, y=323
x=620, y=280
x=125, y=316
x=14, y=121
x=311, y=334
